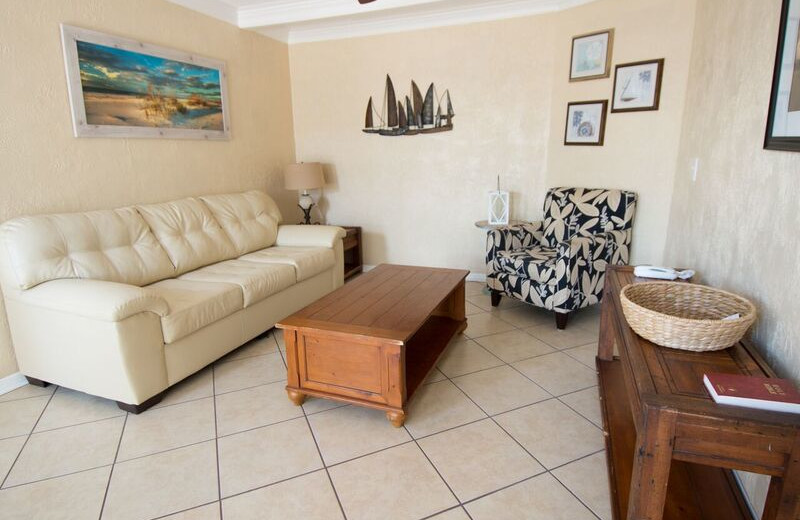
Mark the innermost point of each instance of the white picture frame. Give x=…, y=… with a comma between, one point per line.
x=637, y=86
x=586, y=123
x=107, y=74
x=590, y=57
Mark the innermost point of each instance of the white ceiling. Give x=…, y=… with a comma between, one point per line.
x=296, y=21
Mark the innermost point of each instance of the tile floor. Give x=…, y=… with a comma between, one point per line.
x=507, y=427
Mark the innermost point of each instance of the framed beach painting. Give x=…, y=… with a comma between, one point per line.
x=124, y=88
x=637, y=86
x=591, y=55
x=586, y=123
x=783, y=121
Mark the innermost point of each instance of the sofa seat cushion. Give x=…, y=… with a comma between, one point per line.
x=193, y=305
x=256, y=280
x=537, y=263
x=249, y=219
x=188, y=232
x=307, y=261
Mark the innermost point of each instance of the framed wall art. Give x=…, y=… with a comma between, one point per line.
x=783, y=121
x=591, y=55
x=586, y=123
x=124, y=88
x=637, y=86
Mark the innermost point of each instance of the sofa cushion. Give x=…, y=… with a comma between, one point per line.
x=112, y=245
x=193, y=305
x=249, y=219
x=256, y=280
x=307, y=261
x=188, y=232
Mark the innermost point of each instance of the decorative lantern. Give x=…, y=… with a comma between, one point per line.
x=498, y=206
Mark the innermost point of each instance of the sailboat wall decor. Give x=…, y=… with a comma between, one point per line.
x=410, y=115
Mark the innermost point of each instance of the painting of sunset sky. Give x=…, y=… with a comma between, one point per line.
x=126, y=88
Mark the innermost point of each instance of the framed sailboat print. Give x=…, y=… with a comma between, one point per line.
x=783, y=122
x=637, y=86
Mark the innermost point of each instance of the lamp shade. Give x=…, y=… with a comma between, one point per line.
x=303, y=176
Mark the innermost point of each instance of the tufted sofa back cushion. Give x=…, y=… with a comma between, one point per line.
x=112, y=245
x=249, y=219
x=570, y=212
x=189, y=233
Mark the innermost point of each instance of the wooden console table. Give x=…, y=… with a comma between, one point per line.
x=670, y=449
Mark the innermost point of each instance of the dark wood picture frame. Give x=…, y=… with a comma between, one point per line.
x=603, y=116
x=656, y=94
x=771, y=142
x=609, y=48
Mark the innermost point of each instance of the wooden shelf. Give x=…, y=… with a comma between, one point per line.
x=425, y=347
x=353, y=251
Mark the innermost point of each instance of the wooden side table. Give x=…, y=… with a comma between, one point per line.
x=353, y=251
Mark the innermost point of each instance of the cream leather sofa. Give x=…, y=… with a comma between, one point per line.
x=125, y=303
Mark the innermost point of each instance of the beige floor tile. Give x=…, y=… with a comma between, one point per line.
x=572, y=336
x=352, y=431
x=259, y=457
x=278, y=335
x=474, y=288
x=70, y=407
x=439, y=406
x=434, y=376
x=397, y=483
x=587, y=318
x=303, y=498
x=244, y=373
x=206, y=512
x=255, y=347
x=196, y=386
x=166, y=428
x=74, y=497
x=486, y=323
x=9, y=449
x=27, y=391
x=587, y=403
x=314, y=405
x=67, y=450
x=18, y=417
x=585, y=354
x=552, y=432
x=163, y=484
x=500, y=389
x=557, y=373
x=470, y=309
x=254, y=407
x=540, y=498
x=484, y=301
x=588, y=479
x=453, y=514
x=514, y=345
x=478, y=458
x=523, y=316
x=465, y=356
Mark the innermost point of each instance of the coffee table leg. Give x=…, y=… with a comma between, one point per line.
x=296, y=397
x=396, y=418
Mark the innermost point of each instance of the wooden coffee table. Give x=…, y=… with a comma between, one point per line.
x=373, y=341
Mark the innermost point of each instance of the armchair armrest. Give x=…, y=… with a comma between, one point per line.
x=94, y=299
x=583, y=260
x=309, y=236
x=508, y=238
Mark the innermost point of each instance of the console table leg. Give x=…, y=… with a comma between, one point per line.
x=783, y=497
x=396, y=418
x=651, y=464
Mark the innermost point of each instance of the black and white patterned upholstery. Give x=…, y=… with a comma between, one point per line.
x=559, y=263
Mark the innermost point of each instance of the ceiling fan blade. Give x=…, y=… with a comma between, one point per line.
x=365, y=1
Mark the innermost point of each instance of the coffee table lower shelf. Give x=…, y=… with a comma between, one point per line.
x=694, y=492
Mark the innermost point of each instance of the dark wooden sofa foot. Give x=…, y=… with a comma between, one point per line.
x=495, y=296
x=561, y=320
x=139, y=408
x=36, y=382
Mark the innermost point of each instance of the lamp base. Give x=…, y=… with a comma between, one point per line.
x=306, y=213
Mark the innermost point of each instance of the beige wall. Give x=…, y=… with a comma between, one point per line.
x=737, y=223
x=417, y=197
x=45, y=169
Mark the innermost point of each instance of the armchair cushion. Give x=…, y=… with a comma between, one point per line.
x=537, y=263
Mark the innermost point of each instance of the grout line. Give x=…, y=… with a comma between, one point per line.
x=15, y=399
x=113, y=464
x=324, y=466
x=16, y=459
x=574, y=495
x=185, y=510
x=44, y=479
x=446, y=483
x=216, y=441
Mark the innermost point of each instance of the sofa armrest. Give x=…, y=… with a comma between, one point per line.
x=94, y=299
x=309, y=236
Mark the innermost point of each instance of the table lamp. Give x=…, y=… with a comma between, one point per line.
x=304, y=176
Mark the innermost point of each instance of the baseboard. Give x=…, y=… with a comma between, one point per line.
x=471, y=277
x=12, y=382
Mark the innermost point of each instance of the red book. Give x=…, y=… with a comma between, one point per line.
x=767, y=393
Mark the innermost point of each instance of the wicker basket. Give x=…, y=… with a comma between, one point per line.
x=686, y=316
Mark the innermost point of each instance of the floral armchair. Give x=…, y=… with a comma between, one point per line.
x=559, y=263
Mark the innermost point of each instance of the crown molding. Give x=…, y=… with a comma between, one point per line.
x=218, y=9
